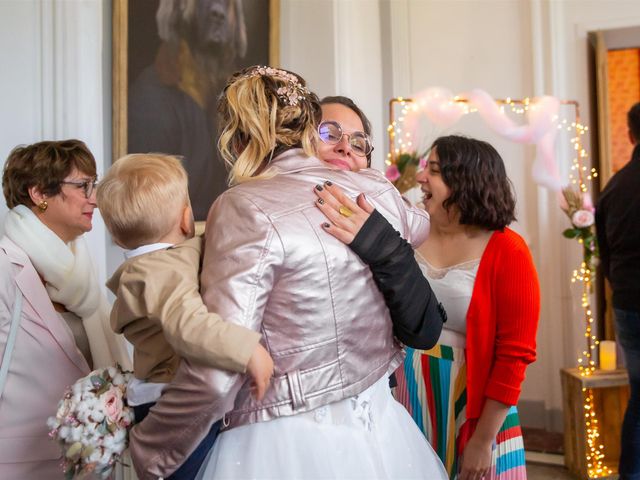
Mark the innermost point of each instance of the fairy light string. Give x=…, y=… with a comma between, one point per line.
x=580, y=174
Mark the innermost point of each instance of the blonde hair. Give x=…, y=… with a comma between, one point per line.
x=264, y=112
x=142, y=197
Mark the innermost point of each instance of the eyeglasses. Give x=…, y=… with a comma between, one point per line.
x=88, y=186
x=331, y=133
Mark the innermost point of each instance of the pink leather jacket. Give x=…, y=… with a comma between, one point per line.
x=269, y=266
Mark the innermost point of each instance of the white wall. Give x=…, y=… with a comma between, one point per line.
x=55, y=84
x=485, y=44
x=564, y=68
x=52, y=86
x=506, y=47
x=20, y=81
x=335, y=45
x=516, y=49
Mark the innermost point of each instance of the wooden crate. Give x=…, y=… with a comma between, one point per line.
x=610, y=396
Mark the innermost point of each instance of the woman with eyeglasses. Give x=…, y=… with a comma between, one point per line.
x=463, y=392
x=345, y=134
x=54, y=319
x=270, y=266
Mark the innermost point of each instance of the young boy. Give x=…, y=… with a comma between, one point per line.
x=145, y=205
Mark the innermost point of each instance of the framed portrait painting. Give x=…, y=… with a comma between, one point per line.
x=171, y=60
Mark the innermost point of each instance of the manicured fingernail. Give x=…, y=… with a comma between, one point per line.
x=319, y=188
x=325, y=225
x=328, y=183
x=320, y=201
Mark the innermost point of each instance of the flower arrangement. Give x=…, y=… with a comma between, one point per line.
x=579, y=208
x=402, y=171
x=92, y=423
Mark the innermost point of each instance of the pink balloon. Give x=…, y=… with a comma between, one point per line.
x=441, y=107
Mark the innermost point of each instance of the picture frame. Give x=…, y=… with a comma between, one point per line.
x=170, y=62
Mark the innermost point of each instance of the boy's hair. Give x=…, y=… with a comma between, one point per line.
x=142, y=197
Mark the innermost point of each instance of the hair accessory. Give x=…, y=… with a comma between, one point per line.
x=344, y=211
x=43, y=205
x=289, y=94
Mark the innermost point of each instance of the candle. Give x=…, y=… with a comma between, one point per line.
x=607, y=355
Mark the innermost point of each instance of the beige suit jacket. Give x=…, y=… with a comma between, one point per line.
x=159, y=310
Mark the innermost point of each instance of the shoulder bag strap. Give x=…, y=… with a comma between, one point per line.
x=11, y=340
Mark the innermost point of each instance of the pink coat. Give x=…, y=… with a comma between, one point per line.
x=44, y=363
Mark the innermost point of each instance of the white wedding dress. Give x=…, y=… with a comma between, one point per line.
x=370, y=436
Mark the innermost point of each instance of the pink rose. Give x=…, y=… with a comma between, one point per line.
x=113, y=404
x=582, y=219
x=392, y=173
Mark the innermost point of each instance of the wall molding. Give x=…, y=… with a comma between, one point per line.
x=401, y=52
x=582, y=29
x=73, y=90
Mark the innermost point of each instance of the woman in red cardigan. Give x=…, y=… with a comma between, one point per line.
x=463, y=392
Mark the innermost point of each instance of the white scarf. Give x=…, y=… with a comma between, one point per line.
x=69, y=280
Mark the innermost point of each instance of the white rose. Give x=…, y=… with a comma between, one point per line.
x=118, y=379
x=97, y=415
x=52, y=422
x=582, y=219
x=95, y=456
x=64, y=432
x=75, y=434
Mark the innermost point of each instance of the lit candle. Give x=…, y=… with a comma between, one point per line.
x=607, y=355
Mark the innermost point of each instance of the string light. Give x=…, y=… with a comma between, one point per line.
x=579, y=174
x=595, y=454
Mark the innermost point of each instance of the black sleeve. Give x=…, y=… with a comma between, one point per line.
x=416, y=314
x=601, y=235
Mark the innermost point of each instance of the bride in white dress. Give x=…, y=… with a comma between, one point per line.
x=270, y=266
x=366, y=435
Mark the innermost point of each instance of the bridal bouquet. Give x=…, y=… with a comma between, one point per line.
x=92, y=423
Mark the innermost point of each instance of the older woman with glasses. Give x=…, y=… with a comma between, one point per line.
x=54, y=324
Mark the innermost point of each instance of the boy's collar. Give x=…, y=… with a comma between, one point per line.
x=151, y=247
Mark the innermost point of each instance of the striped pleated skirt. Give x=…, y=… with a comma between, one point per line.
x=432, y=386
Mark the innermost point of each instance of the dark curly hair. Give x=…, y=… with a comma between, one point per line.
x=43, y=165
x=480, y=188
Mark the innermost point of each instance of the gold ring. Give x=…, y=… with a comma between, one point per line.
x=344, y=211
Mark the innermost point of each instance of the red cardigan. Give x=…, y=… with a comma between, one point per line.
x=502, y=321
